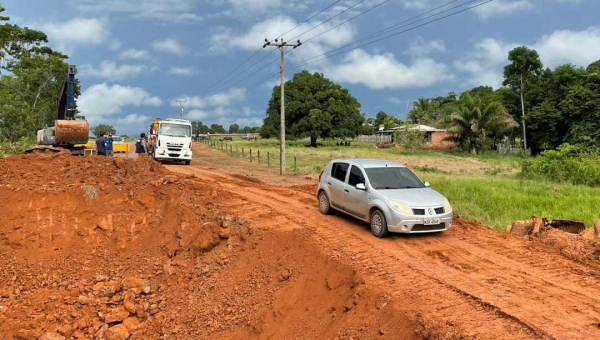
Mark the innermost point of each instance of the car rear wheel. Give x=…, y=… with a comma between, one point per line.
x=324, y=205
x=379, y=224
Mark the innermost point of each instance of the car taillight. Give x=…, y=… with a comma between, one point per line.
x=321, y=174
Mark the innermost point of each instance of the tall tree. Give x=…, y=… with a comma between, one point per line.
x=217, y=128
x=524, y=64
x=474, y=120
x=101, y=129
x=198, y=128
x=315, y=107
x=379, y=120
x=234, y=128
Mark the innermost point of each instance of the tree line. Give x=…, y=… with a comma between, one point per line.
x=536, y=108
x=199, y=128
x=31, y=76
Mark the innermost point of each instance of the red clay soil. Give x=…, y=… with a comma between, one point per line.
x=100, y=248
x=468, y=283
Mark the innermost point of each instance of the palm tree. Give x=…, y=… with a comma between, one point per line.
x=424, y=111
x=474, y=119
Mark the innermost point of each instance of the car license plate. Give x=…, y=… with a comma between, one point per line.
x=431, y=221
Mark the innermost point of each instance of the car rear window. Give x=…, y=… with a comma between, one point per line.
x=393, y=178
x=339, y=170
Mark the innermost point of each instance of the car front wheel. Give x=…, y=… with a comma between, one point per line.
x=379, y=224
x=324, y=205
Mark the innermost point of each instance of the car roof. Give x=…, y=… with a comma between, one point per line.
x=370, y=163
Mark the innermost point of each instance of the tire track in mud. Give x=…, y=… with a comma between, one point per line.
x=488, y=286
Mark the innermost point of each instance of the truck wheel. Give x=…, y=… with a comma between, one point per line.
x=187, y=162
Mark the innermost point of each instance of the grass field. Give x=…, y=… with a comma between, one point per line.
x=481, y=187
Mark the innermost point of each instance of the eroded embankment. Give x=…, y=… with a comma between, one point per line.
x=97, y=248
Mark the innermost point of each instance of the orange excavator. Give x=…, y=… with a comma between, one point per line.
x=69, y=128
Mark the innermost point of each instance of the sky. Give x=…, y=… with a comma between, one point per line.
x=137, y=58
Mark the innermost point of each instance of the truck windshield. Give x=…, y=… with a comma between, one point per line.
x=175, y=130
x=393, y=178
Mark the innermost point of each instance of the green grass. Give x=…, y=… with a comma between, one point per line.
x=499, y=201
x=310, y=160
x=481, y=187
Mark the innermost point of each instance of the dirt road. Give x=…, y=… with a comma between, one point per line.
x=471, y=281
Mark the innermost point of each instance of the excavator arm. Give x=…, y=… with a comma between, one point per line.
x=66, y=97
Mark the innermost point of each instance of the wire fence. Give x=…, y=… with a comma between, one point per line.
x=270, y=159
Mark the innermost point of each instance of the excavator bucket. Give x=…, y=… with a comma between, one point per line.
x=71, y=132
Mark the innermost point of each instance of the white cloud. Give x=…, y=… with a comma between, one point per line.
x=503, y=7
x=384, y=72
x=216, y=100
x=485, y=63
x=102, y=100
x=272, y=28
x=169, y=46
x=567, y=46
x=133, y=54
x=165, y=10
x=182, y=71
x=111, y=71
x=422, y=48
x=78, y=31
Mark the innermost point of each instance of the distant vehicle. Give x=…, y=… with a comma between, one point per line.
x=118, y=140
x=386, y=194
x=173, y=141
x=248, y=136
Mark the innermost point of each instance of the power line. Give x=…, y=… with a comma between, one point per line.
x=333, y=17
x=227, y=100
x=314, y=27
x=410, y=19
x=260, y=49
x=325, y=55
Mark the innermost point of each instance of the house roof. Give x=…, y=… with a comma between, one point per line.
x=418, y=127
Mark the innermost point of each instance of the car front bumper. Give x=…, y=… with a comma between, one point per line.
x=415, y=224
x=184, y=155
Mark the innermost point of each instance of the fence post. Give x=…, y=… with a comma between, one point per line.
x=295, y=167
x=268, y=159
x=258, y=156
x=236, y=151
x=243, y=153
x=250, y=155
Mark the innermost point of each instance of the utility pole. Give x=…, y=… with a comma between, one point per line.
x=281, y=45
x=181, y=105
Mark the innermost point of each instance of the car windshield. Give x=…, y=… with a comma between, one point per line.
x=393, y=178
x=175, y=130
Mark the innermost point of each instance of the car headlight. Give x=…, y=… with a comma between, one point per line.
x=400, y=207
x=447, y=206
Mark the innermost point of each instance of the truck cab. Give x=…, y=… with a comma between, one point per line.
x=173, y=141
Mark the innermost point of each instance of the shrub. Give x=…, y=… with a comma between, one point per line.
x=566, y=164
x=13, y=148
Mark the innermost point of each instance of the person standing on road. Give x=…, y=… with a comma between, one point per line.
x=109, y=146
x=101, y=145
x=140, y=146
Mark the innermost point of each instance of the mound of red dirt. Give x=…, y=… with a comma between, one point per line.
x=109, y=248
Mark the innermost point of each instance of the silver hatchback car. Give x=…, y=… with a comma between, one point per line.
x=386, y=194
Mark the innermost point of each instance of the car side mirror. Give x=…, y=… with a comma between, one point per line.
x=361, y=186
x=427, y=184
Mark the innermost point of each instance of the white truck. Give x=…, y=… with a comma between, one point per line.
x=173, y=141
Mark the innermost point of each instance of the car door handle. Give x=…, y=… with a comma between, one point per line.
x=346, y=190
